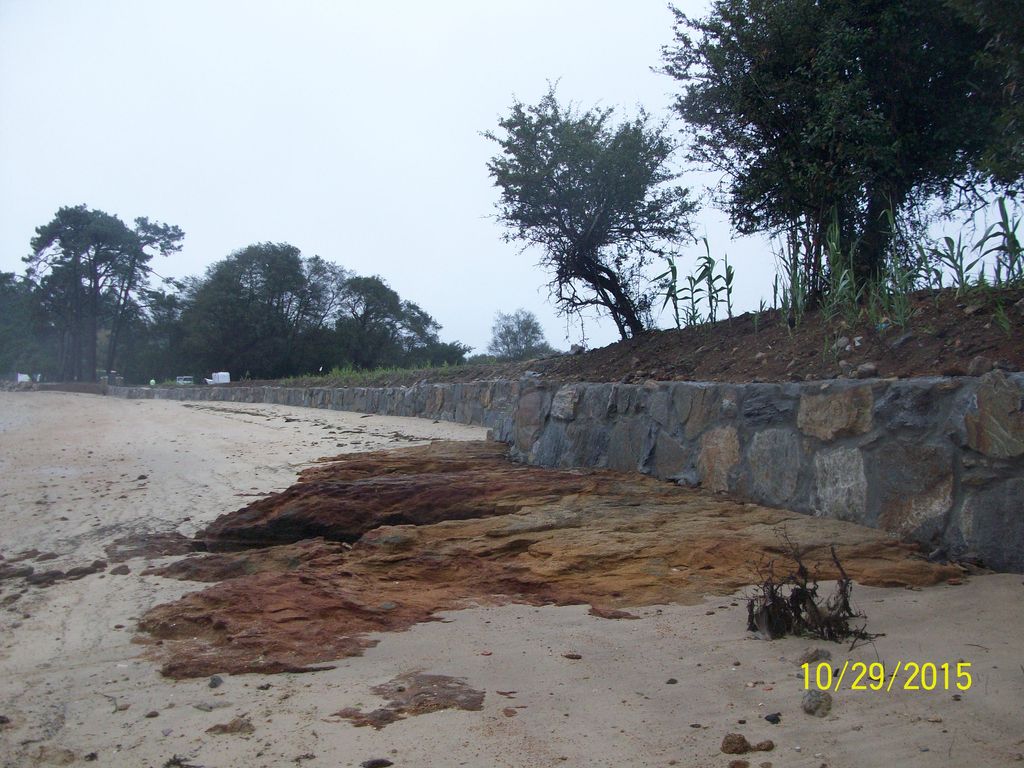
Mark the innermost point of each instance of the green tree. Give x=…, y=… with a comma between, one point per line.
x=252, y=311
x=20, y=348
x=595, y=197
x=377, y=328
x=89, y=268
x=154, y=347
x=840, y=111
x=518, y=336
x=1001, y=25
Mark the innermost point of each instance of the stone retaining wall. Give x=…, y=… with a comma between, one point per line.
x=936, y=460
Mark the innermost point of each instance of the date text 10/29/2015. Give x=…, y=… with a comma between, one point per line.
x=874, y=676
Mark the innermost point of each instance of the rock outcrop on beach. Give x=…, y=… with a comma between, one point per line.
x=381, y=541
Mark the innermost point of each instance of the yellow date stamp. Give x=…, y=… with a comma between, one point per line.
x=876, y=676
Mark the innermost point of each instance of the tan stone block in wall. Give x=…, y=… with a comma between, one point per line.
x=838, y=414
x=996, y=428
x=719, y=453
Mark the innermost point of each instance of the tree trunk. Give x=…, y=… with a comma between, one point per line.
x=876, y=237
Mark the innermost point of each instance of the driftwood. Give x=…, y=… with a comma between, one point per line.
x=791, y=606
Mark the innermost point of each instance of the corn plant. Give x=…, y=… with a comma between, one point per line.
x=952, y=254
x=670, y=281
x=843, y=296
x=762, y=307
x=727, y=284
x=790, y=294
x=705, y=283
x=691, y=294
x=1003, y=242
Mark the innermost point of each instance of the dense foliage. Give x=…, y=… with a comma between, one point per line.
x=87, y=304
x=846, y=114
x=90, y=271
x=597, y=200
x=518, y=336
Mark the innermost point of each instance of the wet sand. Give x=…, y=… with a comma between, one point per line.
x=78, y=472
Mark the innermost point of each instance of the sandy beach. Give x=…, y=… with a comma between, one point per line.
x=560, y=686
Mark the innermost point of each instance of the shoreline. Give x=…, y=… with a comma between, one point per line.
x=68, y=663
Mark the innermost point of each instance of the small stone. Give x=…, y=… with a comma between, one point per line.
x=845, y=367
x=817, y=703
x=841, y=343
x=216, y=681
x=5, y=720
x=867, y=370
x=120, y=570
x=91, y=757
x=811, y=655
x=573, y=656
x=237, y=725
x=509, y=712
x=735, y=744
x=671, y=681
x=764, y=746
x=739, y=764
x=377, y=762
x=774, y=718
x=152, y=713
x=264, y=687
x=979, y=366
x=903, y=339
x=388, y=606
x=696, y=725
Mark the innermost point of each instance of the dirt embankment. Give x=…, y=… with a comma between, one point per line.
x=944, y=335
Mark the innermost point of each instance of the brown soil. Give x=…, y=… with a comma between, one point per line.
x=942, y=338
x=507, y=533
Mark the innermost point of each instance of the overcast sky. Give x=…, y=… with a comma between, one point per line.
x=351, y=130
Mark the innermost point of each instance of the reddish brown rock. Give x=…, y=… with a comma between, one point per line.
x=580, y=536
x=426, y=484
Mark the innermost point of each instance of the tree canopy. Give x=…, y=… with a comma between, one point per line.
x=267, y=312
x=595, y=197
x=264, y=311
x=518, y=336
x=834, y=112
x=90, y=270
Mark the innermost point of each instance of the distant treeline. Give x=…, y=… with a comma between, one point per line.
x=90, y=301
